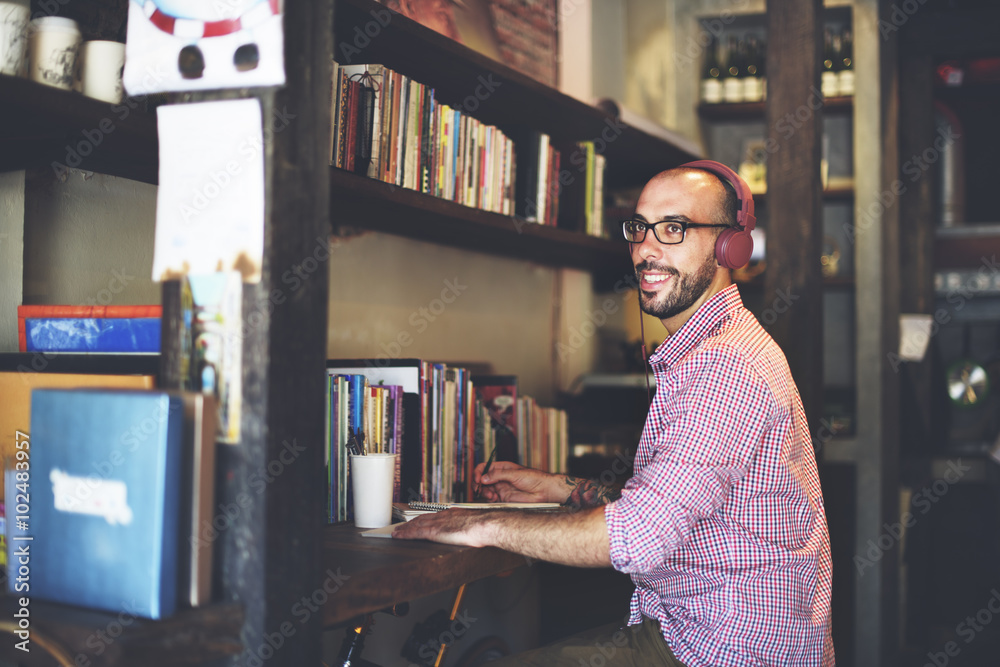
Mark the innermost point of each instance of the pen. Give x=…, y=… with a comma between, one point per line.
x=486, y=469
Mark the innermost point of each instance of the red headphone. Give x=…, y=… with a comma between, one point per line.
x=734, y=246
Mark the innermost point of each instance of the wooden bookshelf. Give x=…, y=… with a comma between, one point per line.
x=40, y=125
x=366, y=203
x=105, y=639
x=278, y=550
x=511, y=100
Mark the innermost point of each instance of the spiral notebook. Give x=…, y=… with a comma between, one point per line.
x=437, y=507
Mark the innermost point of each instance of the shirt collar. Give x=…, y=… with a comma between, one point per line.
x=706, y=320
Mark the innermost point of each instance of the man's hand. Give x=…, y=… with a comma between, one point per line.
x=513, y=483
x=452, y=526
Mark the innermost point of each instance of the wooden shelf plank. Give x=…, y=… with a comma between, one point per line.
x=831, y=283
x=367, y=203
x=102, y=364
x=374, y=573
x=105, y=639
x=972, y=247
x=497, y=94
x=40, y=125
x=755, y=110
x=838, y=193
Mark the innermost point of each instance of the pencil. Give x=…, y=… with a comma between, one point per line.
x=486, y=469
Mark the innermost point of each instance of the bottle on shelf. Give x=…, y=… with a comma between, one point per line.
x=732, y=84
x=831, y=65
x=762, y=67
x=711, y=76
x=845, y=77
x=753, y=89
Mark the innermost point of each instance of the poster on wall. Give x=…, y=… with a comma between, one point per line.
x=519, y=33
x=184, y=45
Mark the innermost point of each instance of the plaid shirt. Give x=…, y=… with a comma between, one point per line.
x=722, y=527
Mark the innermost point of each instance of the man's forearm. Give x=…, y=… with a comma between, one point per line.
x=579, y=539
x=589, y=493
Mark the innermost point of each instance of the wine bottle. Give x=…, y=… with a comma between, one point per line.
x=753, y=91
x=732, y=84
x=762, y=67
x=845, y=77
x=711, y=77
x=829, y=77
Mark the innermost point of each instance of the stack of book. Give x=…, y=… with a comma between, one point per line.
x=537, y=187
x=584, y=190
x=543, y=436
x=440, y=420
x=392, y=128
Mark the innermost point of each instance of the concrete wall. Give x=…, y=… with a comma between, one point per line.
x=11, y=255
x=88, y=240
x=397, y=298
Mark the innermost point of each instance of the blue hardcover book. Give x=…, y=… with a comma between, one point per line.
x=112, y=334
x=106, y=472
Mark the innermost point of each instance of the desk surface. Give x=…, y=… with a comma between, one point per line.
x=369, y=574
x=374, y=573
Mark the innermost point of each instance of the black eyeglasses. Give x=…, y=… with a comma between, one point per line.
x=669, y=232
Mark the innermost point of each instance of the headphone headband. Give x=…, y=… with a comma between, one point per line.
x=744, y=213
x=734, y=246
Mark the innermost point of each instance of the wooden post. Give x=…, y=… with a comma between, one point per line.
x=271, y=492
x=876, y=253
x=793, y=285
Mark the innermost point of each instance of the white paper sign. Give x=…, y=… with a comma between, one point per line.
x=914, y=335
x=96, y=496
x=177, y=45
x=210, y=201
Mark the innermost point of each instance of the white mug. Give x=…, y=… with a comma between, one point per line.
x=53, y=43
x=101, y=66
x=13, y=37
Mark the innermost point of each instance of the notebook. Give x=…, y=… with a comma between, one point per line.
x=437, y=507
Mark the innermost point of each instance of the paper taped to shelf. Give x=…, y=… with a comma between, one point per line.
x=210, y=202
x=914, y=335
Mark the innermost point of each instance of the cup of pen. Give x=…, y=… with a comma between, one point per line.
x=372, y=477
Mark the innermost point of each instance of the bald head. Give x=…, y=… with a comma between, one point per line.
x=702, y=183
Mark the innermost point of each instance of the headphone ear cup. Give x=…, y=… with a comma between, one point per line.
x=733, y=248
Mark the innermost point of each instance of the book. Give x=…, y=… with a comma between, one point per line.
x=109, y=329
x=107, y=467
x=197, y=497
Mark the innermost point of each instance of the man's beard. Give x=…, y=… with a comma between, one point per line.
x=689, y=289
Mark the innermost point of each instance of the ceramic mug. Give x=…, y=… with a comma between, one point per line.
x=13, y=38
x=53, y=44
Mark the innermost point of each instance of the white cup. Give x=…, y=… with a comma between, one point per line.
x=372, y=477
x=13, y=37
x=53, y=44
x=101, y=65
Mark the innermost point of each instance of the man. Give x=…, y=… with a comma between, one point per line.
x=722, y=525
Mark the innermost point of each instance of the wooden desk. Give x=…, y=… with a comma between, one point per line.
x=375, y=573
x=365, y=574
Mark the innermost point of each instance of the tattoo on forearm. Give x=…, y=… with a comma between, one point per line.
x=589, y=493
